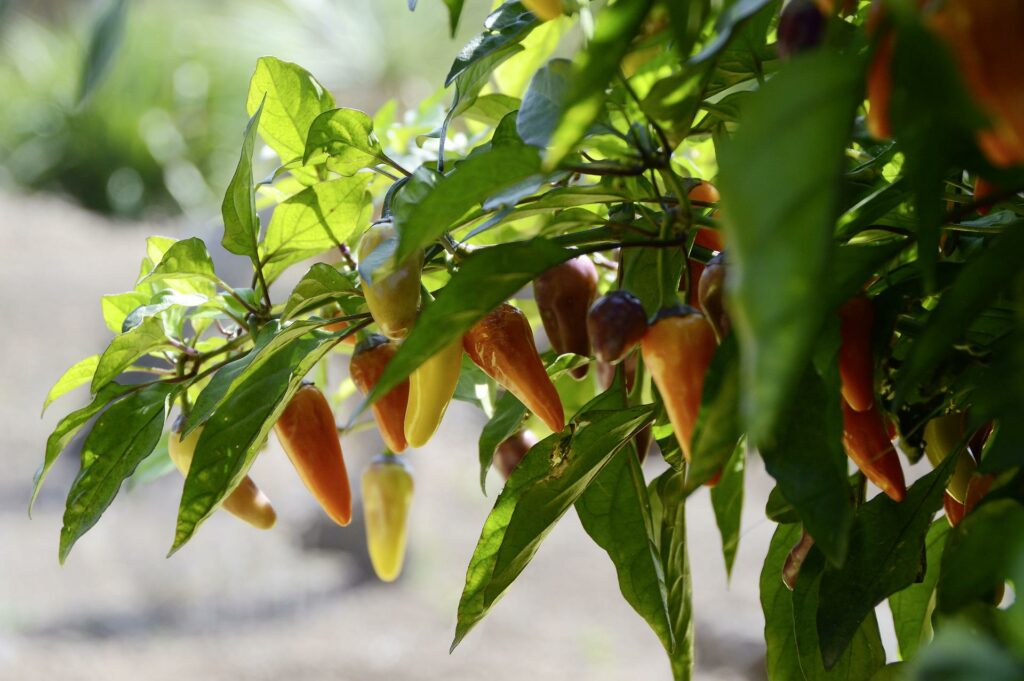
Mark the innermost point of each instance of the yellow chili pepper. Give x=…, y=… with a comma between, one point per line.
x=431, y=387
x=387, y=495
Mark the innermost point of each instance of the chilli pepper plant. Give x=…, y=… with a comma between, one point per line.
x=798, y=238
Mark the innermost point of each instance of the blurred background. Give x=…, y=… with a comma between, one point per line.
x=151, y=152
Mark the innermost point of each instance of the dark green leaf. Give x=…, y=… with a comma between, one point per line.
x=454, y=12
x=886, y=545
x=241, y=223
x=122, y=437
x=961, y=652
x=104, y=41
x=543, y=101
x=652, y=275
x=912, y=607
x=127, y=348
x=508, y=417
x=718, y=424
x=727, y=502
x=541, y=489
x=507, y=25
x=780, y=227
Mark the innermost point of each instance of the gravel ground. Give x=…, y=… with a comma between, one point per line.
x=298, y=601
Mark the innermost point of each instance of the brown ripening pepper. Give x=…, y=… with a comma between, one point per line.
x=246, y=502
x=616, y=322
x=711, y=295
x=564, y=294
x=309, y=435
x=856, y=362
x=867, y=444
x=802, y=25
x=677, y=350
x=368, y=361
x=795, y=560
x=512, y=450
x=502, y=345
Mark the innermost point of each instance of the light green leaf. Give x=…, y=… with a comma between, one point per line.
x=780, y=227
x=294, y=99
x=121, y=438
x=126, y=348
x=782, y=660
x=321, y=284
x=346, y=135
x=241, y=223
x=508, y=417
x=79, y=374
x=117, y=307
x=187, y=268
x=912, y=608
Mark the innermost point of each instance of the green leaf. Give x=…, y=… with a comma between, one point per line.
x=593, y=69
x=912, y=607
x=652, y=275
x=117, y=307
x=104, y=41
x=452, y=196
x=238, y=428
x=886, y=545
x=122, y=437
x=484, y=280
x=985, y=275
x=979, y=553
x=187, y=268
x=543, y=102
x=79, y=374
x=164, y=301
x=540, y=490
x=508, y=417
x=475, y=387
x=861, y=659
x=454, y=12
x=668, y=519
x=241, y=223
x=507, y=25
x=126, y=348
x=780, y=227
x=961, y=652
x=347, y=137
x=782, y=660
x=809, y=464
x=727, y=503
x=321, y=284
x=471, y=81
x=291, y=99
x=316, y=219
x=718, y=425
x=67, y=428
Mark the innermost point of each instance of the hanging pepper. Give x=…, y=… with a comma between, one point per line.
x=856, y=361
x=393, y=300
x=512, y=450
x=802, y=25
x=502, y=345
x=367, y=365
x=868, y=445
x=387, y=495
x=677, y=349
x=711, y=295
x=564, y=294
x=615, y=323
x=309, y=435
x=431, y=387
x=246, y=502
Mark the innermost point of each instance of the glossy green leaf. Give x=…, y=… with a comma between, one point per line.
x=238, y=428
x=593, y=69
x=912, y=607
x=321, y=284
x=507, y=25
x=718, y=426
x=727, y=503
x=241, y=223
x=347, y=136
x=294, y=99
x=886, y=546
x=316, y=219
x=79, y=374
x=485, y=279
x=508, y=417
x=126, y=348
x=541, y=489
x=121, y=438
x=780, y=227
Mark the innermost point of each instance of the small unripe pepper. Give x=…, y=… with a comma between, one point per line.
x=677, y=349
x=795, y=560
x=368, y=362
x=856, y=361
x=564, y=294
x=616, y=322
x=393, y=300
x=711, y=295
x=867, y=444
x=512, y=450
x=431, y=387
x=246, y=502
x=309, y=435
x=502, y=345
x=387, y=494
